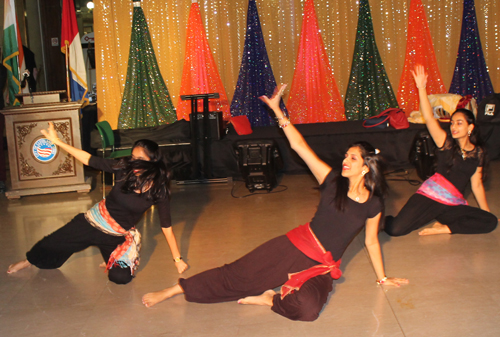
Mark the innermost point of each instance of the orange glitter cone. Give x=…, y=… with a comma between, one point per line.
x=419, y=50
x=200, y=74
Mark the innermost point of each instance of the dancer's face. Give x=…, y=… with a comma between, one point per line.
x=459, y=126
x=353, y=164
x=138, y=153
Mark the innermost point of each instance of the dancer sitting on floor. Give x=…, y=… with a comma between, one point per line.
x=459, y=158
x=349, y=201
x=141, y=182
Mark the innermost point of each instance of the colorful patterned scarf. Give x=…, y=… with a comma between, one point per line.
x=126, y=254
x=438, y=188
x=304, y=239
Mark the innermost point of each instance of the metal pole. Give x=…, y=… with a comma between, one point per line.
x=67, y=72
x=42, y=45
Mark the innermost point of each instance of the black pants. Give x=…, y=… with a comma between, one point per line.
x=264, y=268
x=420, y=210
x=53, y=250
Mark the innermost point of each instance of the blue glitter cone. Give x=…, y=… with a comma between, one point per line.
x=471, y=75
x=256, y=76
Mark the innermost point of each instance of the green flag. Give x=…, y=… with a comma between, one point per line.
x=13, y=57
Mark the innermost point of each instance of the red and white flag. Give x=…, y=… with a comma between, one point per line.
x=70, y=37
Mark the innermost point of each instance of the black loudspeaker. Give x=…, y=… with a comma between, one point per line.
x=422, y=155
x=488, y=111
x=259, y=160
x=216, y=125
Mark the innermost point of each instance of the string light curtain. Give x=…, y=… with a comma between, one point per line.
x=419, y=50
x=369, y=91
x=281, y=22
x=314, y=96
x=471, y=74
x=200, y=74
x=256, y=75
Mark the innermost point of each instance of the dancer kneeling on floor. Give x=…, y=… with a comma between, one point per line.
x=311, y=252
x=460, y=158
x=141, y=182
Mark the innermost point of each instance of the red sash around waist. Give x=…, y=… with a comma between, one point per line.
x=304, y=239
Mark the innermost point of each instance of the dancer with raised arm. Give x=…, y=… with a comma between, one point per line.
x=349, y=201
x=141, y=182
x=460, y=159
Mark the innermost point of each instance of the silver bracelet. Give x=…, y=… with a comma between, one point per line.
x=284, y=125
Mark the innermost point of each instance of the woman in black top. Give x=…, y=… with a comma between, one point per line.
x=141, y=182
x=349, y=201
x=460, y=158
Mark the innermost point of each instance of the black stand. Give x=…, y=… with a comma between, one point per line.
x=204, y=175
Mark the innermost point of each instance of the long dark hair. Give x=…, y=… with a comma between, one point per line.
x=374, y=179
x=154, y=177
x=475, y=140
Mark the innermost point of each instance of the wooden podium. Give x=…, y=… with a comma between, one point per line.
x=37, y=166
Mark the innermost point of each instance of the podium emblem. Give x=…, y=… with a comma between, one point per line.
x=44, y=150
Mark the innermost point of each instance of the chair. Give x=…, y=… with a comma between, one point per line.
x=108, y=142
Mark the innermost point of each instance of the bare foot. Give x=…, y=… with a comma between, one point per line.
x=18, y=266
x=151, y=299
x=103, y=265
x=266, y=298
x=437, y=228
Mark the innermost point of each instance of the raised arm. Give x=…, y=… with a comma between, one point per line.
x=373, y=246
x=80, y=155
x=437, y=133
x=318, y=167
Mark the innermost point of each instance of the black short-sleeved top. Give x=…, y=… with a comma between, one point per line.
x=336, y=229
x=127, y=208
x=462, y=169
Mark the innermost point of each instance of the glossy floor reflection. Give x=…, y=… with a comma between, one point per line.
x=454, y=289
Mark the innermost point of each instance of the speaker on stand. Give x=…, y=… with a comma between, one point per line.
x=215, y=126
x=204, y=129
x=259, y=160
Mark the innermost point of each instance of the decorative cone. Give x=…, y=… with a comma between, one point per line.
x=314, y=96
x=471, y=75
x=369, y=91
x=256, y=76
x=200, y=74
x=146, y=100
x=419, y=50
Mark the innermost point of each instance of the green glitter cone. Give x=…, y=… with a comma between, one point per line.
x=369, y=91
x=146, y=100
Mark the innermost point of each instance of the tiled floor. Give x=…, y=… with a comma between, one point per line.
x=453, y=291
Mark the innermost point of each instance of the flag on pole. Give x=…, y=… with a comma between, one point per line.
x=70, y=38
x=13, y=56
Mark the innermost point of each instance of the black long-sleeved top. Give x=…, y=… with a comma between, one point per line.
x=127, y=208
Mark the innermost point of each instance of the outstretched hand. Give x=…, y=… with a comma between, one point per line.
x=50, y=133
x=395, y=281
x=274, y=101
x=420, y=76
